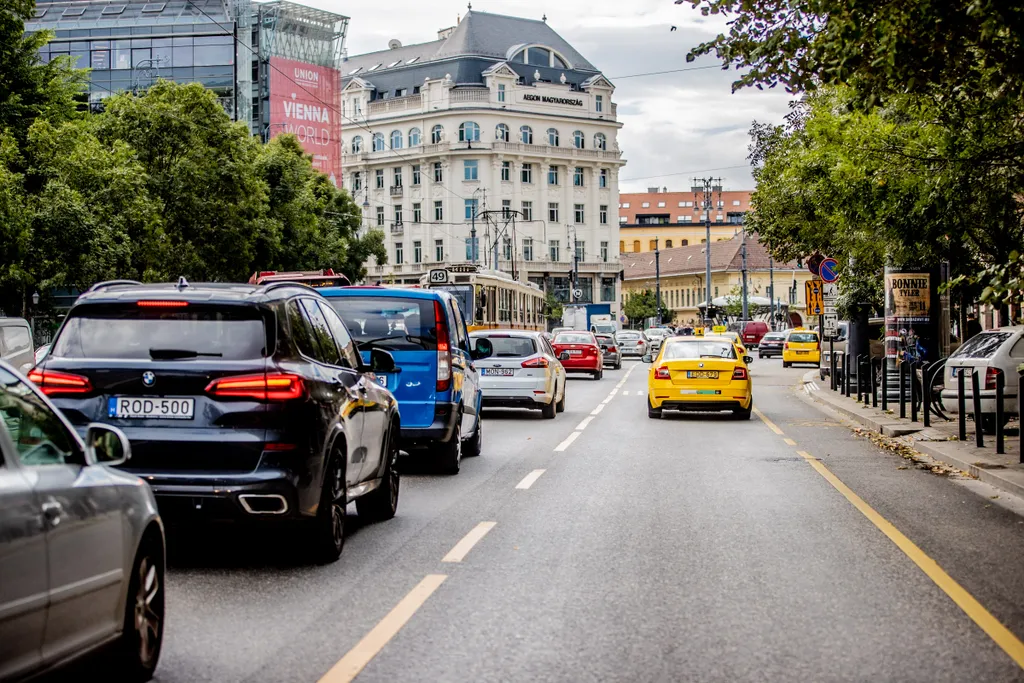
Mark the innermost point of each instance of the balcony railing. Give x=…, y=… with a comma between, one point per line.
x=396, y=104
x=457, y=96
x=397, y=228
x=550, y=151
x=396, y=190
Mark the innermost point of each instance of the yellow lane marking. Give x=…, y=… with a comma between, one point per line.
x=789, y=442
x=568, y=442
x=462, y=548
x=349, y=666
x=597, y=410
x=583, y=425
x=528, y=480
x=771, y=425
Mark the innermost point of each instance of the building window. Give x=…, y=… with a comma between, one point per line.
x=438, y=211
x=668, y=244
x=398, y=214
x=636, y=246
x=416, y=174
x=379, y=178
x=506, y=171
x=471, y=208
x=645, y=205
x=686, y=219
x=526, y=174
x=357, y=144
x=436, y=134
x=472, y=248
x=357, y=181
x=735, y=202
x=604, y=252
x=661, y=205
x=554, y=251
x=602, y=181
x=380, y=215
x=502, y=133
x=553, y=212
x=417, y=252
x=527, y=211
x=397, y=176
x=625, y=205
x=527, y=248
x=577, y=139
x=439, y=250
x=600, y=141
x=577, y=177
x=653, y=244
x=552, y=175
x=577, y=214
x=501, y=92
x=469, y=132
x=526, y=135
x=414, y=137
x=683, y=243
x=603, y=214
x=471, y=169
x=417, y=214
x=598, y=103
x=506, y=247
x=553, y=137
x=399, y=254
x=622, y=220
x=438, y=172
x=506, y=208
x=581, y=251
x=396, y=139
x=622, y=247
x=607, y=289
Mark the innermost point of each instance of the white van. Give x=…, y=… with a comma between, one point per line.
x=16, y=343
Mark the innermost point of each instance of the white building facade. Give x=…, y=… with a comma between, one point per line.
x=498, y=129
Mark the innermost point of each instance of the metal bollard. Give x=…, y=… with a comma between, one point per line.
x=832, y=370
x=903, y=390
x=860, y=373
x=1000, y=442
x=979, y=436
x=846, y=374
x=926, y=394
x=885, y=383
x=874, y=384
x=913, y=393
x=1020, y=433
x=961, y=403
x=863, y=362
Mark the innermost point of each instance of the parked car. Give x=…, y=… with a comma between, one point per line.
x=579, y=352
x=753, y=332
x=242, y=403
x=631, y=343
x=436, y=379
x=610, y=351
x=82, y=543
x=986, y=353
x=523, y=371
x=771, y=345
x=16, y=343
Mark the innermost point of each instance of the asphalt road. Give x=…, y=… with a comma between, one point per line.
x=692, y=548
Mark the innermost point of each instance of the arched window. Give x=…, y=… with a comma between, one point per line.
x=636, y=246
x=600, y=141
x=526, y=135
x=469, y=132
x=653, y=244
x=414, y=137
x=502, y=133
x=357, y=144
x=577, y=139
x=378, y=142
x=396, y=139
x=622, y=246
x=553, y=137
x=684, y=243
x=668, y=244
x=436, y=134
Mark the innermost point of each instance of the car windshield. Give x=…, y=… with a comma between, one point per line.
x=690, y=349
x=803, y=337
x=574, y=338
x=393, y=323
x=506, y=346
x=983, y=345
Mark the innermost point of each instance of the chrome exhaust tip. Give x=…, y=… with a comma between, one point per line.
x=263, y=503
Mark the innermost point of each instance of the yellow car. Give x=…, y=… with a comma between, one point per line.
x=699, y=373
x=801, y=346
x=735, y=337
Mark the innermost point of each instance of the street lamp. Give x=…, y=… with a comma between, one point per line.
x=657, y=280
x=35, y=298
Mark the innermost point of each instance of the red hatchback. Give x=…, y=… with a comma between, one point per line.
x=579, y=352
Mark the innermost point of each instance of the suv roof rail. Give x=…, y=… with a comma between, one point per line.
x=111, y=283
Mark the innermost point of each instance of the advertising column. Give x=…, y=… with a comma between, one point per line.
x=910, y=320
x=304, y=102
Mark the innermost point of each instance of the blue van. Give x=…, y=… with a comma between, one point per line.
x=435, y=380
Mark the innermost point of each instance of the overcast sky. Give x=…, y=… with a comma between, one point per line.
x=674, y=125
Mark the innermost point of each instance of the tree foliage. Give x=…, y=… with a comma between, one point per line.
x=642, y=305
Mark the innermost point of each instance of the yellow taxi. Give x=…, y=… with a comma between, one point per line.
x=801, y=346
x=735, y=340
x=699, y=373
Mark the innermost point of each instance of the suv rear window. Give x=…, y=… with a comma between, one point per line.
x=983, y=345
x=393, y=323
x=228, y=333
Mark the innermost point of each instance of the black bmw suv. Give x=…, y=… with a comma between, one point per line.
x=241, y=402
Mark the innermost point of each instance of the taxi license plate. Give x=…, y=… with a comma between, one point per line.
x=382, y=380
x=803, y=351
x=166, y=408
x=500, y=372
x=702, y=374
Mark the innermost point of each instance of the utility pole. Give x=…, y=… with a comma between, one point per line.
x=771, y=290
x=743, y=252
x=657, y=281
x=705, y=187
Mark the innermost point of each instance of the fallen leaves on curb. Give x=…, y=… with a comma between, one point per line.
x=899, y=447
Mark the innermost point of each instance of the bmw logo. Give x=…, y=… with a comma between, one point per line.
x=148, y=378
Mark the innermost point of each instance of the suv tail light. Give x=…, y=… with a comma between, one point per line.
x=535, y=363
x=613, y=349
x=786, y=345
x=60, y=383
x=444, y=351
x=739, y=373
x=268, y=387
x=662, y=373
x=990, y=378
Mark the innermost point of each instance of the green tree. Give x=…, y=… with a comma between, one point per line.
x=552, y=308
x=642, y=305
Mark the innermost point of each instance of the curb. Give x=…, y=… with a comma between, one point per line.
x=951, y=453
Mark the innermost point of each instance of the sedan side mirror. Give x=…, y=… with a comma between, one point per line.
x=648, y=358
x=106, y=445
x=748, y=359
x=381, y=361
x=482, y=348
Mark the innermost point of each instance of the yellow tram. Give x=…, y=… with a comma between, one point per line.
x=490, y=298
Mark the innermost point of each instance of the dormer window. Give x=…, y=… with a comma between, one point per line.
x=355, y=70
x=413, y=60
x=375, y=67
x=395, y=63
x=538, y=55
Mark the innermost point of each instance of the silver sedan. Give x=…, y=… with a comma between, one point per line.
x=81, y=544
x=522, y=372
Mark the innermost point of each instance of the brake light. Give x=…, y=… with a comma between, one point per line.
x=662, y=373
x=786, y=345
x=60, y=383
x=536, y=363
x=739, y=373
x=444, y=352
x=990, y=379
x=613, y=349
x=268, y=387
x=155, y=303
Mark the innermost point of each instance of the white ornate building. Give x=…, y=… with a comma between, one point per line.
x=500, y=129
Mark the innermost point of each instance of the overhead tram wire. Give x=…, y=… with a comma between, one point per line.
x=669, y=71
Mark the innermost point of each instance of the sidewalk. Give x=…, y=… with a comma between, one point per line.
x=938, y=441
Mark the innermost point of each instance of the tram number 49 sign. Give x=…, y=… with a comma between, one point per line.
x=829, y=270
x=438, y=276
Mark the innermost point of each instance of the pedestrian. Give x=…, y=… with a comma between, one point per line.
x=973, y=327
